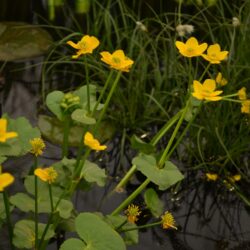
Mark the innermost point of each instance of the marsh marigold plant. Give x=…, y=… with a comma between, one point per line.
x=191, y=48
x=206, y=91
x=117, y=60
x=4, y=135
x=93, y=143
x=85, y=46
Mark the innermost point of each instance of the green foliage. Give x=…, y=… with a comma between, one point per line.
x=137, y=143
x=24, y=233
x=153, y=202
x=163, y=177
x=105, y=239
x=19, y=145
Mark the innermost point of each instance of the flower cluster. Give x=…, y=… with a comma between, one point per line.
x=245, y=105
x=117, y=60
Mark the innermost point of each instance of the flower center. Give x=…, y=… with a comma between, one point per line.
x=83, y=45
x=116, y=60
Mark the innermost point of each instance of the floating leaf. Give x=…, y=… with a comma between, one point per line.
x=91, y=172
x=163, y=177
x=153, y=202
x=21, y=41
x=24, y=233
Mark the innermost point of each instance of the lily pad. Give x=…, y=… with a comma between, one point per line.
x=21, y=41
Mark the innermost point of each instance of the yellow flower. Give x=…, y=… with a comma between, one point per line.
x=132, y=213
x=245, y=107
x=4, y=135
x=5, y=180
x=211, y=177
x=214, y=54
x=220, y=80
x=91, y=142
x=206, y=91
x=117, y=60
x=168, y=221
x=37, y=146
x=191, y=48
x=46, y=174
x=234, y=178
x=242, y=94
x=85, y=46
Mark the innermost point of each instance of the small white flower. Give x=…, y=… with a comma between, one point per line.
x=235, y=22
x=184, y=29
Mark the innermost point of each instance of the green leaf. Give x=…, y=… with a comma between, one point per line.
x=80, y=115
x=153, y=202
x=91, y=172
x=83, y=94
x=19, y=145
x=138, y=144
x=53, y=102
x=73, y=244
x=23, y=201
x=130, y=237
x=163, y=177
x=97, y=234
x=52, y=130
x=2, y=159
x=24, y=233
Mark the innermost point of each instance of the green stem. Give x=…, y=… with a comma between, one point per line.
x=36, y=205
x=204, y=72
x=128, y=200
x=108, y=100
x=125, y=179
x=173, y=136
x=141, y=227
x=102, y=93
x=66, y=131
x=7, y=211
x=87, y=81
x=51, y=198
x=154, y=141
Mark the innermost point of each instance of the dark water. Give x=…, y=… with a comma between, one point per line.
x=205, y=220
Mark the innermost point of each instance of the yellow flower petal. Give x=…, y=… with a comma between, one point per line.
x=5, y=180
x=211, y=177
x=4, y=135
x=46, y=174
x=209, y=85
x=92, y=143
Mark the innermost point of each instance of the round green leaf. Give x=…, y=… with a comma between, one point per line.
x=24, y=233
x=153, y=202
x=163, y=177
x=73, y=244
x=80, y=115
x=97, y=234
x=53, y=102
